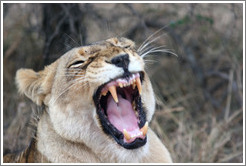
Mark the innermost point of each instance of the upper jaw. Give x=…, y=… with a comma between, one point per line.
x=133, y=80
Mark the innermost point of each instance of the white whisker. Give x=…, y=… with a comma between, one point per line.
x=78, y=79
x=152, y=49
x=159, y=50
x=148, y=43
x=150, y=61
x=145, y=41
x=75, y=42
x=69, y=87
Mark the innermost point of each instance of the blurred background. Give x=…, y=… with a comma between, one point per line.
x=199, y=115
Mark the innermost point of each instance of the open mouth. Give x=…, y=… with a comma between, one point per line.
x=120, y=110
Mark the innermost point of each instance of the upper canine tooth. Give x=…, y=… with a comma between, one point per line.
x=139, y=85
x=113, y=92
x=144, y=129
x=133, y=85
x=126, y=135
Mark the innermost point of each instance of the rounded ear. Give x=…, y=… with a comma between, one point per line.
x=36, y=85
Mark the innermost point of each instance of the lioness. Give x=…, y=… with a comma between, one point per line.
x=98, y=101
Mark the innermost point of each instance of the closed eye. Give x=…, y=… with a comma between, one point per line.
x=76, y=64
x=127, y=46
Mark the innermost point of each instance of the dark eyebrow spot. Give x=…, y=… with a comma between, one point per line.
x=82, y=51
x=88, y=62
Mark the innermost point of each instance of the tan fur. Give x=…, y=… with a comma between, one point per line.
x=69, y=129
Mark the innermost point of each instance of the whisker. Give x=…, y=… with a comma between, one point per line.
x=78, y=79
x=75, y=42
x=69, y=87
x=150, y=60
x=148, y=43
x=145, y=41
x=152, y=49
x=159, y=50
x=157, y=47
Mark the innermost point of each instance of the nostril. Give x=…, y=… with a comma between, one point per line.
x=121, y=61
x=116, y=61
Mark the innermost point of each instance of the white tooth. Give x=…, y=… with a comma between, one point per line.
x=104, y=93
x=126, y=135
x=139, y=86
x=144, y=129
x=120, y=84
x=113, y=92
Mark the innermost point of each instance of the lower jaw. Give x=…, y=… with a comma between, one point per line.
x=138, y=142
x=119, y=137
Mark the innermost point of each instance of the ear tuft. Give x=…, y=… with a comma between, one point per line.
x=24, y=78
x=28, y=83
x=36, y=85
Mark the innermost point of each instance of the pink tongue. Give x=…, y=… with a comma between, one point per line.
x=122, y=115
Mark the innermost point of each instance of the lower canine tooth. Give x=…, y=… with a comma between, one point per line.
x=113, y=92
x=126, y=135
x=144, y=129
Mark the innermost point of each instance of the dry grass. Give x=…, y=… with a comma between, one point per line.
x=199, y=112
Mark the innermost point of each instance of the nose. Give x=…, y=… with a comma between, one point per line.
x=121, y=61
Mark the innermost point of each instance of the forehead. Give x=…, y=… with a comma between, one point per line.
x=109, y=46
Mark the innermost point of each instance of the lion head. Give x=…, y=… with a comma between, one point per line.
x=99, y=93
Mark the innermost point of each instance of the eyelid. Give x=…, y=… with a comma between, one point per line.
x=76, y=64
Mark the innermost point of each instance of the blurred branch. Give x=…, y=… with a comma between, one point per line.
x=62, y=19
x=51, y=38
x=13, y=47
x=229, y=91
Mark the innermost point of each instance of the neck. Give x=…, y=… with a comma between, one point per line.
x=57, y=149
